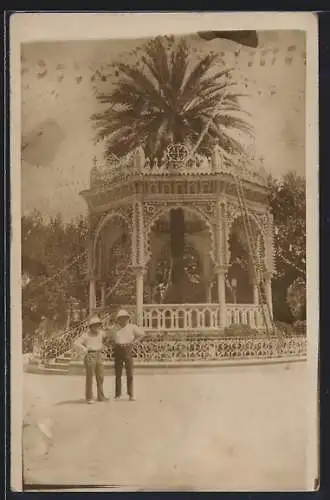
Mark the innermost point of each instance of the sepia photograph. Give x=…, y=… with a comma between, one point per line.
x=165, y=321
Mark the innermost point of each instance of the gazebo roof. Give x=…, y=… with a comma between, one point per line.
x=177, y=161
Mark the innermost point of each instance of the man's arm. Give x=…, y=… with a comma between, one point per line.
x=109, y=333
x=80, y=343
x=138, y=333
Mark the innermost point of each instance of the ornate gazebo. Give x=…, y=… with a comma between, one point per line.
x=133, y=205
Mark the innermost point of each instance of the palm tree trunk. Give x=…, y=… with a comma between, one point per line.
x=177, y=250
x=206, y=128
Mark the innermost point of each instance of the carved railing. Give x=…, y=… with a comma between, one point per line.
x=52, y=347
x=198, y=348
x=176, y=332
x=177, y=162
x=245, y=314
x=191, y=317
x=181, y=316
x=187, y=345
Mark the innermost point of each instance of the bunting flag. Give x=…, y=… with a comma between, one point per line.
x=246, y=38
x=253, y=58
x=43, y=74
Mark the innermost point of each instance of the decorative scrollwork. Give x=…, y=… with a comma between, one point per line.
x=177, y=153
x=126, y=213
x=123, y=213
x=51, y=348
x=206, y=349
x=189, y=347
x=113, y=159
x=176, y=160
x=264, y=229
x=206, y=208
x=232, y=212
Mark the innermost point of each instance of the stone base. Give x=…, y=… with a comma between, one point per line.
x=77, y=367
x=192, y=351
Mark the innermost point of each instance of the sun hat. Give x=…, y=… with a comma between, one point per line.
x=95, y=320
x=122, y=313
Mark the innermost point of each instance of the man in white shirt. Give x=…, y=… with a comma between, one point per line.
x=91, y=343
x=124, y=334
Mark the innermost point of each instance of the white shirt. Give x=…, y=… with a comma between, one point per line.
x=91, y=342
x=127, y=334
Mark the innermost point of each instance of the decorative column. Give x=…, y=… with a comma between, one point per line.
x=255, y=279
x=103, y=292
x=268, y=291
x=139, y=276
x=91, y=266
x=269, y=242
x=138, y=257
x=221, y=260
x=207, y=278
x=92, y=295
x=221, y=285
x=255, y=293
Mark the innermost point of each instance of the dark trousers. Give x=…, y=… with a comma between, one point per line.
x=123, y=356
x=94, y=366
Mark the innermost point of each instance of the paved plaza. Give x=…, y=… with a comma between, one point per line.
x=225, y=428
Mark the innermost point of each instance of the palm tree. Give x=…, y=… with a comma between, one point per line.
x=167, y=98
x=170, y=97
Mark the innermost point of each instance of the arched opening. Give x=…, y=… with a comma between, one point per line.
x=244, y=269
x=180, y=258
x=113, y=259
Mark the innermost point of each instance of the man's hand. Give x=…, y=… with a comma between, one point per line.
x=81, y=348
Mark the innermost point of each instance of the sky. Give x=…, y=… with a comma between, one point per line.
x=58, y=99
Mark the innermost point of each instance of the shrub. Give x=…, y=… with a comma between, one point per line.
x=284, y=328
x=300, y=327
x=296, y=298
x=239, y=330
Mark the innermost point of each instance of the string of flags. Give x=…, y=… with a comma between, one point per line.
x=61, y=271
x=261, y=57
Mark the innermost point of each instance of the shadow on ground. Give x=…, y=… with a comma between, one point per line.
x=71, y=402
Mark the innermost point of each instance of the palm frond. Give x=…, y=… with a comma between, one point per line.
x=200, y=69
x=166, y=98
x=161, y=133
x=235, y=123
x=140, y=82
x=179, y=62
x=158, y=60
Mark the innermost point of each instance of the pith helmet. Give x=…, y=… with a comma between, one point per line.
x=95, y=320
x=122, y=313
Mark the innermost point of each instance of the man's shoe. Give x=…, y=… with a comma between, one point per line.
x=89, y=401
x=117, y=398
x=131, y=398
x=102, y=399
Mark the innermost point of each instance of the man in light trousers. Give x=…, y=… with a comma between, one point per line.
x=92, y=343
x=124, y=335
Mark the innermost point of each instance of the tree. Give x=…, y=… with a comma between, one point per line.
x=53, y=269
x=166, y=97
x=169, y=96
x=288, y=203
x=296, y=298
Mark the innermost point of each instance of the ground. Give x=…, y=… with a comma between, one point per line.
x=226, y=428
